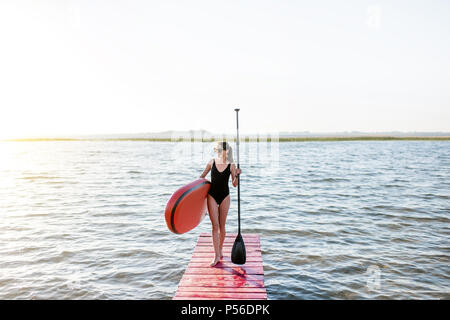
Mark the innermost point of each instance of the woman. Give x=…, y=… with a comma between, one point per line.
x=219, y=194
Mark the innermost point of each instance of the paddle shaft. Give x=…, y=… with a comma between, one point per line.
x=239, y=176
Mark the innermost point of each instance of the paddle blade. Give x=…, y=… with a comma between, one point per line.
x=238, y=255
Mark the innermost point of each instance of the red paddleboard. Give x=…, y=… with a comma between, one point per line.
x=187, y=207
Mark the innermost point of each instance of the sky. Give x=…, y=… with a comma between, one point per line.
x=93, y=67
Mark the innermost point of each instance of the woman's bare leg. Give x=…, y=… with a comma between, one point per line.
x=223, y=212
x=213, y=210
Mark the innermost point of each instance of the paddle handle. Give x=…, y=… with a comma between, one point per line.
x=239, y=176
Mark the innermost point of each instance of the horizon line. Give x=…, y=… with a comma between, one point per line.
x=249, y=139
x=205, y=134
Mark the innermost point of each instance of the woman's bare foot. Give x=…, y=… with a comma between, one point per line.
x=214, y=261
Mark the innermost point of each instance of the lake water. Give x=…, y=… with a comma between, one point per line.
x=337, y=220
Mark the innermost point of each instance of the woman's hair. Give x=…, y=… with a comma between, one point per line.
x=226, y=146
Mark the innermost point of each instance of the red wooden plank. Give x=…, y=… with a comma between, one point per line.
x=207, y=257
x=227, y=240
x=237, y=282
x=232, y=234
x=226, y=270
x=204, y=256
x=211, y=254
x=228, y=244
x=225, y=280
x=222, y=264
x=226, y=257
x=226, y=277
x=226, y=249
x=197, y=298
x=221, y=289
x=202, y=240
x=227, y=295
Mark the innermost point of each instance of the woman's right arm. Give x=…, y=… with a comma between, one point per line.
x=208, y=167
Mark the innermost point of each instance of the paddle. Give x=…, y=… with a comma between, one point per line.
x=238, y=255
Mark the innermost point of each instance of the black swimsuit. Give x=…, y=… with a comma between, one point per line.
x=219, y=183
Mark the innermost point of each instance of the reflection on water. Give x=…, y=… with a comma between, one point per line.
x=337, y=220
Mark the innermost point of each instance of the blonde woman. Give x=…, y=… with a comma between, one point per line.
x=219, y=194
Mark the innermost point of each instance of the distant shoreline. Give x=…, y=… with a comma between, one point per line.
x=246, y=139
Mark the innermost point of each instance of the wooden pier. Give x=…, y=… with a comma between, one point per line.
x=225, y=281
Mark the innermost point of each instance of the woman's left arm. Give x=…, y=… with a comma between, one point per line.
x=235, y=172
